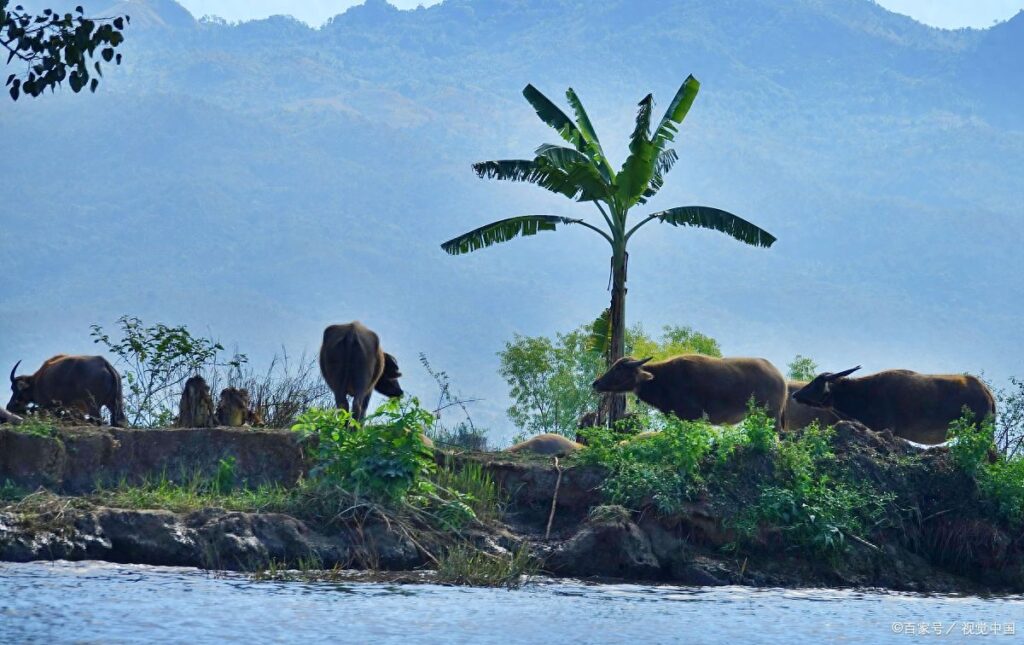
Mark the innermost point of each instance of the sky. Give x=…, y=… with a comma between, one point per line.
x=949, y=14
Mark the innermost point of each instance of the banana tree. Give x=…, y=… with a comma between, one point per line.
x=582, y=172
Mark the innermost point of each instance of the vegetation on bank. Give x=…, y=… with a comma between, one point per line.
x=789, y=490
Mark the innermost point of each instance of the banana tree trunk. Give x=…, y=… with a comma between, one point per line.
x=617, y=402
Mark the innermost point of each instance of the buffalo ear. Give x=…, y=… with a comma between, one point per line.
x=21, y=385
x=644, y=375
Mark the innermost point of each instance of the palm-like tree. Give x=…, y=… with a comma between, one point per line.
x=582, y=172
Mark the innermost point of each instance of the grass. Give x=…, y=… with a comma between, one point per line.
x=37, y=425
x=465, y=565
x=195, y=493
x=476, y=488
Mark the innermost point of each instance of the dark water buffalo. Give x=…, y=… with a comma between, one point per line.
x=798, y=415
x=195, y=410
x=692, y=386
x=918, y=407
x=353, y=364
x=76, y=383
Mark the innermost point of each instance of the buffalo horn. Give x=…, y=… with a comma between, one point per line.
x=839, y=375
x=14, y=369
x=639, y=362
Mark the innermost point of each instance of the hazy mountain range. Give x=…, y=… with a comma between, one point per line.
x=259, y=181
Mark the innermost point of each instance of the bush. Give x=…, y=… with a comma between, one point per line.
x=155, y=361
x=970, y=442
x=282, y=392
x=811, y=508
x=383, y=458
x=1000, y=478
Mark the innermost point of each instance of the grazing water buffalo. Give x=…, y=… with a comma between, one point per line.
x=798, y=416
x=81, y=384
x=353, y=364
x=918, y=407
x=692, y=386
x=234, y=409
x=195, y=410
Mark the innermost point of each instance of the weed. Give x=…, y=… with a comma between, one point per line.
x=38, y=425
x=384, y=457
x=465, y=565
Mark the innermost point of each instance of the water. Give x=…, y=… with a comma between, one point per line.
x=95, y=602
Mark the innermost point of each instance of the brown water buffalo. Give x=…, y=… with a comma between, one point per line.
x=918, y=407
x=353, y=364
x=195, y=410
x=692, y=386
x=548, y=444
x=798, y=416
x=82, y=384
x=234, y=409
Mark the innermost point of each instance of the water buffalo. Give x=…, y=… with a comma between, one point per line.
x=234, y=409
x=798, y=416
x=548, y=444
x=81, y=384
x=195, y=410
x=692, y=386
x=918, y=407
x=353, y=364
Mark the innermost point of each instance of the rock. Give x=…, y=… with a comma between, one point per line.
x=211, y=538
x=610, y=544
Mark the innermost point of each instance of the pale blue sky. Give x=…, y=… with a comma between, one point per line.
x=949, y=14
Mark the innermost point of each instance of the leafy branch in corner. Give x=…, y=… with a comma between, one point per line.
x=56, y=47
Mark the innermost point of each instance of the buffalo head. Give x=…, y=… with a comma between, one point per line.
x=624, y=375
x=818, y=393
x=22, y=392
x=387, y=384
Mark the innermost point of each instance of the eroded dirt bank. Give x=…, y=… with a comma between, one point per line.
x=943, y=542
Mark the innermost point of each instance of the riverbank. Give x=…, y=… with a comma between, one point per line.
x=937, y=535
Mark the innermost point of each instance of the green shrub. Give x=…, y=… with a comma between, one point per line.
x=383, y=458
x=36, y=424
x=970, y=442
x=1003, y=484
x=813, y=509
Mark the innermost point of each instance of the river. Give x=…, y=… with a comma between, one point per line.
x=98, y=602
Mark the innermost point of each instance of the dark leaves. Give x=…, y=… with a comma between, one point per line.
x=55, y=48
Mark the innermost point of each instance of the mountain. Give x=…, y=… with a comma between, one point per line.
x=261, y=180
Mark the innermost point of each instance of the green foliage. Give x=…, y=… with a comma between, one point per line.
x=155, y=361
x=196, y=492
x=970, y=442
x=660, y=470
x=51, y=44
x=224, y=480
x=1000, y=478
x=470, y=484
x=810, y=507
x=802, y=368
x=36, y=424
x=550, y=378
x=464, y=565
x=382, y=458
x=1010, y=426
x=1002, y=483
